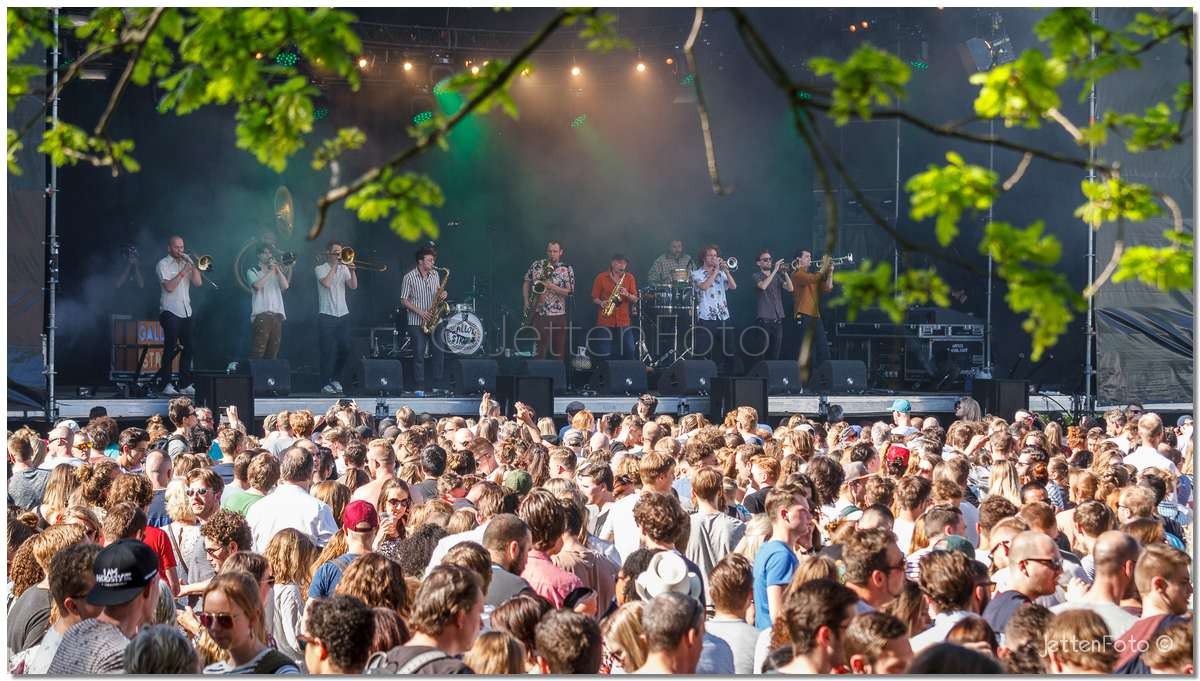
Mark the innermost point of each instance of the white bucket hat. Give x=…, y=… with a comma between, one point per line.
x=667, y=572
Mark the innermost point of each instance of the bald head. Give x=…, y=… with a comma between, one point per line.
x=650, y=434
x=158, y=468
x=1114, y=552
x=1030, y=544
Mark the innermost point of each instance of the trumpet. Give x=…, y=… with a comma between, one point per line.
x=203, y=264
x=731, y=264
x=285, y=259
x=348, y=259
x=847, y=259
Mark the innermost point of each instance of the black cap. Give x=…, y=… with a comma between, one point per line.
x=574, y=407
x=123, y=570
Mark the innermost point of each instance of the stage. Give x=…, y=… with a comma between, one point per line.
x=855, y=407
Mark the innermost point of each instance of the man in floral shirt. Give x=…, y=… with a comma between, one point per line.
x=549, y=310
x=712, y=312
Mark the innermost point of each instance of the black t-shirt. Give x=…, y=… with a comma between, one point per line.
x=28, y=619
x=756, y=503
x=1001, y=609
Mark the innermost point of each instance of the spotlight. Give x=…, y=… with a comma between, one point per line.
x=853, y=28
x=866, y=24
x=641, y=67
x=258, y=55
x=576, y=71
x=475, y=70
x=670, y=61
x=408, y=66
x=362, y=62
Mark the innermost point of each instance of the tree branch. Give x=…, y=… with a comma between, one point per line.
x=340, y=193
x=799, y=114
x=1173, y=206
x=709, y=151
x=139, y=41
x=1118, y=251
x=1019, y=172
x=1066, y=123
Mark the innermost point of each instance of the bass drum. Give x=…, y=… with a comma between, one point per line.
x=462, y=333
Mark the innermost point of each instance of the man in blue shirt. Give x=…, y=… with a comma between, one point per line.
x=791, y=518
x=360, y=522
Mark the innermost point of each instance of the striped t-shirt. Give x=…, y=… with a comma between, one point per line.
x=419, y=290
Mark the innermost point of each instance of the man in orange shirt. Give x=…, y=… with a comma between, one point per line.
x=615, y=325
x=807, y=289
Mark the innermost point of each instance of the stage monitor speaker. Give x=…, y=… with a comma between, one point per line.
x=382, y=377
x=731, y=392
x=472, y=376
x=218, y=389
x=783, y=375
x=688, y=377
x=272, y=377
x=840, y=376
x=1000, y=397
x=554, y=369
x=536, y=391
x=620, y=377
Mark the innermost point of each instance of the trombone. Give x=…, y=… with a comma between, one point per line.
x=348, y=258
x=203, y=264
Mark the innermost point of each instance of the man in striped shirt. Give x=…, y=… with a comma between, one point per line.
x=419, y=294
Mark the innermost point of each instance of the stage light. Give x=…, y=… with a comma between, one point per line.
x=474, y=70
x=670, y=61
x=408, y=66
x=853, y=28
x=320, y=113
x=579, y=121
x=362, y=62
x=422, y=117
x=866, y=24
x=641, y=67
x=804, y=95
x=288, y=59
x=576, y=71
x=258, y=55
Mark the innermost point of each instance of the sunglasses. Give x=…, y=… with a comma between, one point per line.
x=209, y=620
x=83, y=445
x=197, y=492
x=1052, y=563
x=304, y=640
x=403, y=502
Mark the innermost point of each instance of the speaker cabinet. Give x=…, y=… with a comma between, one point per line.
x=783, y=376
x=688, y=377
x=554, y=369
x=272, y=377
x=840, y=376
x=472, y=376
x=1000, y=397
x=620, y=377
x=217, y=390
x=730, y=392
x=382, y=377
x=536, y=391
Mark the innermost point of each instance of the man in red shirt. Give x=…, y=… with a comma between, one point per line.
x=616, y=324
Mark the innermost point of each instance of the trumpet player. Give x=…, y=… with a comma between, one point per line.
x=547, y=312
x=613, y=291
x=712, y=280
x=333, y=320
x=177, y=274
x=268, y=280
x=771, y=286
x=420, y=294
x=808, y=287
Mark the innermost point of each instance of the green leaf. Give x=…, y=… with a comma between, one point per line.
x=404, y=197
x=870, y=77
x=947, y=192
x=331, y=149
x=600, y=30
x=14, y=146
x=1167, y=268
x=1113, y=199
x=1020, y=92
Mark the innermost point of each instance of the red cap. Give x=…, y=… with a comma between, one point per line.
x=360, y=516
x=897, y=452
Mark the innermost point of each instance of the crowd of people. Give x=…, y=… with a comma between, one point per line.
x=618, y=543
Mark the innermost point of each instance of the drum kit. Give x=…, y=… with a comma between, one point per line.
x=462, y=332
x=666, y=315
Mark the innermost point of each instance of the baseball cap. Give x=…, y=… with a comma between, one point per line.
x=518, y=481
x=1184, y=420
x=360, y=516
x=123, y=570
x=574, y=406
x=901, y=406
x=855, y=470
x=573, y=438
x=897, y=452
x=953, y=542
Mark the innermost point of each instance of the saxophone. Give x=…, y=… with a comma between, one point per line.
x=440, y=307
x=610, y=305
x=537, y=288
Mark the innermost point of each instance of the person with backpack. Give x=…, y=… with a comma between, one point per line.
x=183, y=416
x=360, y=522
x=445, y=620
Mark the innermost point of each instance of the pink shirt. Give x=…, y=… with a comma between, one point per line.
x=547, y=579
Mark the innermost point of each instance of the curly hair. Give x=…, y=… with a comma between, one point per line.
x=95, y=480
x=263, y=472
x=568, y=642
x=342, y=623
x=227, y=526
x=136, y=489
x=377, y=581
x=32, y=560
x=660, y=517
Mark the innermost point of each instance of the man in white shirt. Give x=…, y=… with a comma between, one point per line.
x=267, y=282
x=901, y=416
x=177, y=274
x=59, y=448
x=488, y=498
x=333, y=322
x=657, y=473
x=290, y=505
x=712, y=280
x=1150, y=430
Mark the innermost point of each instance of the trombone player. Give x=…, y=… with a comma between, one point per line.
x=267, y=282
x=421, y=294
x=333, y=320
x=807, y=289
x=177, y=274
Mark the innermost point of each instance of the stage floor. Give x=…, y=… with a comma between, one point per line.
x=854, y=406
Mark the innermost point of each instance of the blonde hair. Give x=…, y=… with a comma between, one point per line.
x=59, y=487
x=1081, y=639
x=623, y=632
x=1005, y=482
x=758, y=532
x=335, y=494
x=496, y=652
x=292, y=557
x=241, y=589
x=178, y=508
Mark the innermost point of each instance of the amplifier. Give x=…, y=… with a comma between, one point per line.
x=956, y=331
x=938, y=358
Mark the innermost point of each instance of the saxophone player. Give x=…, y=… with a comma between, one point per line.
x=612, y=291
x=547, y=310
x=420, y=294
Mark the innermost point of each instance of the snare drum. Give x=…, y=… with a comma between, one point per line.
x=665, y=300
x=680, y=276
x=463, y=307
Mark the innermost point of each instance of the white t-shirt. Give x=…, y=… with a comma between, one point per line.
x=627, y=537
x=290, y=506
x=331, y=300
x=179, y=301
x=1148, y=457
x=269, y=298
